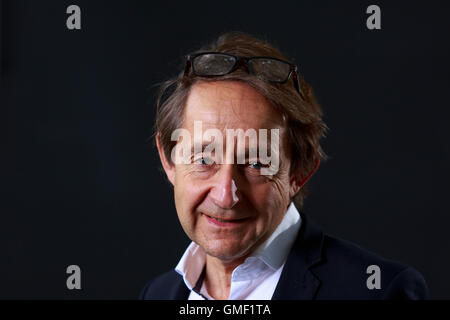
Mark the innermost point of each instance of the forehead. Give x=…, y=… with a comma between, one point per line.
x=229, y=104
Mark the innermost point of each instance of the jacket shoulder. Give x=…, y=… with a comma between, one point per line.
x=167, y=286
x=348, y=271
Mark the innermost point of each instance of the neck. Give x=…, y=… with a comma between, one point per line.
x=218, y=276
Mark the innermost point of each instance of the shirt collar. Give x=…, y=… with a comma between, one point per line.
x=191, y=264
x=275, y=249
x=273, y=252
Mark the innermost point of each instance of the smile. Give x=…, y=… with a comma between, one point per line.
x=225, y=222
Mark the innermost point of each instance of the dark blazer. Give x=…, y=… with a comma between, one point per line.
x=319, y=267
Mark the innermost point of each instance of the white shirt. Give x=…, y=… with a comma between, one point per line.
x=257, y=277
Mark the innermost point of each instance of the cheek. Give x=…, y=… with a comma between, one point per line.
x=269, y=200
x=188, y=194
x=271, y=194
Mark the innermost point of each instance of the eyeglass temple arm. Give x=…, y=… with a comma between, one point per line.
x=296, y=79
x=188, y=66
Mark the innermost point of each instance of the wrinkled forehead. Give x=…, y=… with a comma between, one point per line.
x=229, y=105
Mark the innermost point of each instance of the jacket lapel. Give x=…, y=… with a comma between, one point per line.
x=297, y=282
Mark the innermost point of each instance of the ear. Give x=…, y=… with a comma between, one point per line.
x=297, y=181
x=168, y=167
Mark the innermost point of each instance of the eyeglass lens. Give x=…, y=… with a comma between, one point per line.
x=269, y=69
x=213, y=64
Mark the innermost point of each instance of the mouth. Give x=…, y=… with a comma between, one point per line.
x=221, y=222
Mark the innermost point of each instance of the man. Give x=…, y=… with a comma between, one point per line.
x=239, y=206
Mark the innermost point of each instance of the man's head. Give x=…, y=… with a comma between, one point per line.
x=231, y=208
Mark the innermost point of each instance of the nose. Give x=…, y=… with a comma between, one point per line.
x=224, y=191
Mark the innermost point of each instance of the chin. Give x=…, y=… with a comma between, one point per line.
x=225, y=251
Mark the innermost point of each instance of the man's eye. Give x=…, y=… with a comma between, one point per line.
x=255, y=165
x=203, y=161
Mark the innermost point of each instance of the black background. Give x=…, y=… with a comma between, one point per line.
x=79, y=185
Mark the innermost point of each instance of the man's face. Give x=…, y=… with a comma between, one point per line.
x=249, y=205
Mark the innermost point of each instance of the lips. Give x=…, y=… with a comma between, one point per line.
x=220, y=220
x=225, y=222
